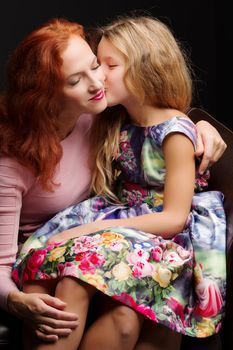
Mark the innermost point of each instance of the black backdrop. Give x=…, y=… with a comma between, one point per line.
x=193, y=22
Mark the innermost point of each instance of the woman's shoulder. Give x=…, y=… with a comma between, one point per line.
x=15, y=174
x=10, y=164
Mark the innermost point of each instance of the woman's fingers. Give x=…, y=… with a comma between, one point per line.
x=49, y=338
x=210, y=145
x=52, y=309
x=53, y=323
x=45, y=331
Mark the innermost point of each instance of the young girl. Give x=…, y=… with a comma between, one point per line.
x=138, y=241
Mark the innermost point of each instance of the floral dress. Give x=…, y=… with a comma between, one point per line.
x=179, y=282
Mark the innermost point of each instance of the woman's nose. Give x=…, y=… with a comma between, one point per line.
x=96, y=83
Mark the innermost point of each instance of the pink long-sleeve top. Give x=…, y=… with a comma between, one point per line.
x=25, y=206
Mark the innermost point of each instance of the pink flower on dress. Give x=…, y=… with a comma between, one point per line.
x=85, y=243
x=67, y=269
x=138, y=255
x=139, y=259
x=126, y=299
x=143, y=309
x=173, y=258
x=143, y=269
x=96, y=259
x=116, y=246
x=86, y=267
x=33, y=264
x=177, y=307
x=210, y=298
x=209, y=295
x=146, y=310
x=157, y=254
x=80, y=256
x=36, y=259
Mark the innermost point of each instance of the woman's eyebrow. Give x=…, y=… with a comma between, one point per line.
x=77, y=73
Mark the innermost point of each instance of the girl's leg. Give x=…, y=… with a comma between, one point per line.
x=77, y=295
x=157, y=337
x=117, y=328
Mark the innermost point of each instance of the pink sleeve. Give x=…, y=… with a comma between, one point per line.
x=12, y=185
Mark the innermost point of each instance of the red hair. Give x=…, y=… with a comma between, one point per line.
x=29, y=109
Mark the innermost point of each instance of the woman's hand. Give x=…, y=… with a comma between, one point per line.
x=43, y=313
x=210, y=145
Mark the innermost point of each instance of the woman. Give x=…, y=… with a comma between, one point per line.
x=44, y=151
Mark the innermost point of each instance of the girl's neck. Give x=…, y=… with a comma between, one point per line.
x=148, y=115
x=144, y=115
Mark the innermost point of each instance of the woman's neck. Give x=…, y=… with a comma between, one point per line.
x=66, y=125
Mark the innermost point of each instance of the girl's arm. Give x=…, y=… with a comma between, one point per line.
x=210, y=145
x=179, y=187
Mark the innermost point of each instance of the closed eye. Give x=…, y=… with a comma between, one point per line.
x=75, y=82
x=96, y=66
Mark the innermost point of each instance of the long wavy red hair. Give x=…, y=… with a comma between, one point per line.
x=29, y=109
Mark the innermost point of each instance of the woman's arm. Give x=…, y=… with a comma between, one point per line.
x=210, y=145
x=179, y=187
x=34, y=309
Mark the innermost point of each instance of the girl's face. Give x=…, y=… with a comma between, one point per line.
x=83, y=90
x=113, y=66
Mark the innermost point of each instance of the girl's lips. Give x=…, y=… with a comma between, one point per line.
x=98, y=96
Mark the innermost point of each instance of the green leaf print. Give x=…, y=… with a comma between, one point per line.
x=153, y=162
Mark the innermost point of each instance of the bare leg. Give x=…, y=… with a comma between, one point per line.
x=77, y=295
x=30, y=340
x=158, y=337
x=117, y=328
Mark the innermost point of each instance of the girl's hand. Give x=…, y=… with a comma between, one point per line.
x=76, y=232
x=43, y=313
x=210, y=145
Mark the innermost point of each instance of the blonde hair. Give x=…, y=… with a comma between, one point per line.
x=157, y=70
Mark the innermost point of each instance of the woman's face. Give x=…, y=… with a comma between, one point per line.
x=83, y=90
x=113, y=66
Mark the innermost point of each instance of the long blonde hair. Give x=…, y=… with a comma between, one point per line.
x=156, y=70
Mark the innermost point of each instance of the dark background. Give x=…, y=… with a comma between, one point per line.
x=194, y=23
